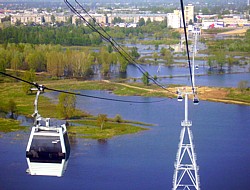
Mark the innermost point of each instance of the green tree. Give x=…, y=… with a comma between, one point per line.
x=220, y=58
x=123, y=64
x=101, y=120
x=148, y=21
x=230, y=61
x=155, y=56
x=118, y=118
x=141, y=22
x=36, y=61
x=155, y=77
x=12, y=108
x=31, y=77
x=145, y=79
x=110, y=48
x=104, y=60
x=190, y=22
x=69, y=21
x=55, y=63
x=169, y=57
x=66, y=105
x=205, y=11
x=53, y=18
x=16, y=61
x=134, y=53
x=2, y=64
x=156, y=47
x=210, y=62
x=117, y=20
x=163, y=51
x=3, y=59
x=243, y=85
x=158, y=35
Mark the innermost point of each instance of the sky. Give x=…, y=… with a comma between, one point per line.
x=235, y=1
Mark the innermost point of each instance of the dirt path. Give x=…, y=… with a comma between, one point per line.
x=169, y=91
x=238, y=31
x=215, y=94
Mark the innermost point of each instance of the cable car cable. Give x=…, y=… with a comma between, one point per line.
x=187, y=49
x=108, y=39
x=80, y=94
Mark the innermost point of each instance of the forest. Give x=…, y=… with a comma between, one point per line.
x=76, y=51
x=59, y=61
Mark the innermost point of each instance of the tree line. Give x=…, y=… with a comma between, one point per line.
x=64, y=35
x=231, y=45
x=59, y=61
x=72, y=35
x=221, y=51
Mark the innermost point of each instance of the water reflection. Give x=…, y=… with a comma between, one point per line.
x=102, y=141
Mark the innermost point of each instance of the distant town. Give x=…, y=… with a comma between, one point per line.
x=127, y=15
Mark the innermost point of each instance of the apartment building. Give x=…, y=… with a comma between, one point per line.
x=174, y=19
x=99, y=18
x=134, y=18
x=26, y=18
x=189, y=13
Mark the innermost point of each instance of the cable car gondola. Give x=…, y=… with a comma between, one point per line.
x=196, y=101
x=179, y=98
x=48, y=148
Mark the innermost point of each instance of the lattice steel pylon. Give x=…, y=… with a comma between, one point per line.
x=186, y=169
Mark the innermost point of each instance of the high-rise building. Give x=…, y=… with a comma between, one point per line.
x=174, y=19
x=189, y=13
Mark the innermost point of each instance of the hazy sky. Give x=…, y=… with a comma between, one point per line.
x=194, y=1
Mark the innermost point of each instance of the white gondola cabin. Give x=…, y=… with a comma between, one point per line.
x=48, y=151
x=196, y=101
x=179, y=98
x=48, y=148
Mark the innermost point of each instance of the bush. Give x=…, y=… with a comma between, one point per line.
x=118, y=118
x=66, y=105
x=243, y=85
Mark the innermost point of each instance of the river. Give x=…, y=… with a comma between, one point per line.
x=144, y=160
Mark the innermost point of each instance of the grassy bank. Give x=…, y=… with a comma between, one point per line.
x=91, y=129
x=86, y=126
x=24, y=102
x=10, y=125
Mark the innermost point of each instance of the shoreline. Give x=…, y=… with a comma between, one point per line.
x=214, y=94
x=25, y=102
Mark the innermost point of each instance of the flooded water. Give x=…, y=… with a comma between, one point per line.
x=180, y=75
x=177, y=74
x=144, y=160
